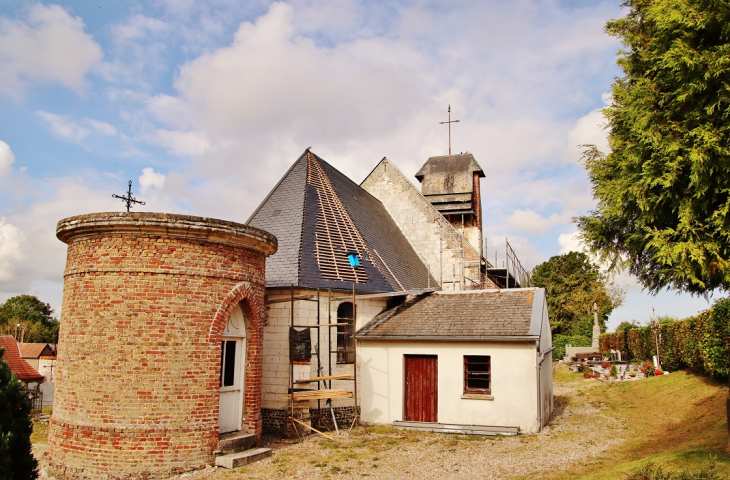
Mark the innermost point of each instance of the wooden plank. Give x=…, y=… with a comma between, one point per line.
x=457, y=428
x=282, y=300
x=327, y=377
x=311, y=428
x=320, y=394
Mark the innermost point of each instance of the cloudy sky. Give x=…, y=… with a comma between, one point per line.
x=204, y=104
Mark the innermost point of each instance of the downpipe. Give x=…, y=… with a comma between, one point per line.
x=539, y=385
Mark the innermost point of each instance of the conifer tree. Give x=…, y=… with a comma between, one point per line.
x=16, y=455
x=664, y=190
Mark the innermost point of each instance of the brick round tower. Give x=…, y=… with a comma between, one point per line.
x=146, y=299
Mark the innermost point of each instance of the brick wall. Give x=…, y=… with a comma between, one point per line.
x=427, y=230
x=146, y=298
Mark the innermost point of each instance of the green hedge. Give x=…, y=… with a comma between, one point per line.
x=701, y=343
x=560, y=341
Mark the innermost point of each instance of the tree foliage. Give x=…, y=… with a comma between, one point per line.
x=664, y=191
x=33, y=315
x=16, y=456
x=573, y=284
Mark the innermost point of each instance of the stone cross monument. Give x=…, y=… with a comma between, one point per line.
x=596, y=328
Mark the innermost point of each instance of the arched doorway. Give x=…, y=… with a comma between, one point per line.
x=232, y=381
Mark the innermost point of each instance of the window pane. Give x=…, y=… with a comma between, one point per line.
x=345, y=343
x=477, y=374
x=223, y=363
x=229, y=363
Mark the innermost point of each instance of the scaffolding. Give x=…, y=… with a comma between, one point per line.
x=347, y=355
x=512, y=274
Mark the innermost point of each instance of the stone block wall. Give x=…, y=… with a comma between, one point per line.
x=431, y=235
x=146, y=298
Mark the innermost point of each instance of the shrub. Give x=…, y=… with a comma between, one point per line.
x=16, y=456
x=701, y=343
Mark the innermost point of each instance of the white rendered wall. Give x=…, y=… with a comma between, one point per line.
x=276, y=366
x=514, y=382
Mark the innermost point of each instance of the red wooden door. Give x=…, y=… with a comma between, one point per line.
x=421, y=389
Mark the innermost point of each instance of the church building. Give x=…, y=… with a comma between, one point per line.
x=338, y=302
x=382, y=306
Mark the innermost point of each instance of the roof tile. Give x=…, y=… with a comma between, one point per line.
x=18, y=366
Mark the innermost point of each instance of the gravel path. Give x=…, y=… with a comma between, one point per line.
x=580, y=431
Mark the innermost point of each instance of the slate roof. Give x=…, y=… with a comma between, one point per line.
x=18, y=366
x=469, y=315
x=319, y=217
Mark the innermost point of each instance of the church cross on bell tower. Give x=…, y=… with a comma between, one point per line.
x=449, y=124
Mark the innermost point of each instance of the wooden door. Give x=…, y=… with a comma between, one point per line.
x=421, y=389
x=232, y=378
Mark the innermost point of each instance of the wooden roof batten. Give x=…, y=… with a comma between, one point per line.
x=336, y=234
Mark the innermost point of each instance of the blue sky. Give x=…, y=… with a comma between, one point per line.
x=205, y=104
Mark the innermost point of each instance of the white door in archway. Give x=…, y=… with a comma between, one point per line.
x=233, y=355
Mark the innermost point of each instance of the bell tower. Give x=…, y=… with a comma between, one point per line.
x=451, y=184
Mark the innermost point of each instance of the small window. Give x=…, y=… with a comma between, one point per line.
x=345, y=343
x=477, y=374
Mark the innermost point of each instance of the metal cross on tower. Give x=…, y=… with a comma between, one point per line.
x=449, y=123
x=128, y=199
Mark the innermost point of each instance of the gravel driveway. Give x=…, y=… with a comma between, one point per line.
x=580, y=430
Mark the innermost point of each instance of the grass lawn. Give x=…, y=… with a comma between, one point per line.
x=678, y=421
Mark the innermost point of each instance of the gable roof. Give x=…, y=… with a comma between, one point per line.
x=506, y=315
x=320, y=217
x=17, y=365
x=35, y=350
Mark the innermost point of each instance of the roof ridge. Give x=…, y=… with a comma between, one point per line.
x=281, y=180
x=321, y=160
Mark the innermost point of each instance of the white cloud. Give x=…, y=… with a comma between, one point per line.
x=49, y=46
x=11, y=244
x=151, y=179
x=588, y=130
x=529, y=221
x=571, y=242
x=270, y=79
x=7, y=158
x=183, y=143
x=138, y=27
x=76, y=130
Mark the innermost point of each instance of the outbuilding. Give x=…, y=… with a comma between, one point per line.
x=475, y=361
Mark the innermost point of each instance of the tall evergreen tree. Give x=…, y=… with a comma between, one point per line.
x=664, y=190
x=16, y=455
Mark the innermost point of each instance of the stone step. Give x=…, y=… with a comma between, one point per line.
x=236, y=442
x=235, y=460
